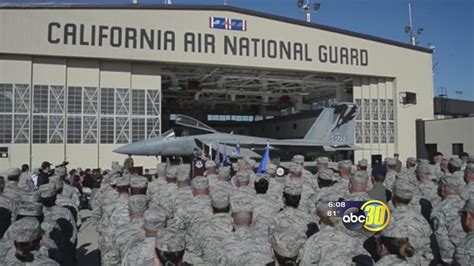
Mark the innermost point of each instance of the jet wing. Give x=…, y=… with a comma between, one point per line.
x=281, y=144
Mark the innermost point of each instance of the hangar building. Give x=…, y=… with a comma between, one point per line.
x=78, y=81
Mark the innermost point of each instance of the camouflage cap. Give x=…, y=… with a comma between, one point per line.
x=271, y=169
x=345, y=163
x=138, y=182
x=423, y=168
x=60, y=171
x=396, y=230
x=182, y=173
x=298, y=158
x=224, y=171
x=210, y=163
x=322, y=160
x=411, y=160
x=242, y=177
x=421, y=160
x=452, y=181
x=170, y=240
x=296, y=168
x=13, y=172
x=137, y=203
x=403, y=189
x=326, y=174
x=293, y=188
x=30, y=196
x=220, y=198
x=469, y=206
x=47, y=190
x=123, y=181
x=26, y=230
x=288, y=241
x=30, y=209
x=390, y=161
x=359, y=177
x=161, y=167
x=241, y=203
x=200, y=182
x=363, y=163
x=171, y=171
x=155, y=218
x=455, y=162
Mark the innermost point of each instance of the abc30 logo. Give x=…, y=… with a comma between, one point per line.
x=373, y=215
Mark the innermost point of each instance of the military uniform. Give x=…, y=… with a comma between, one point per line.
x=447, y=227
x=391, y=259
x=330, y=246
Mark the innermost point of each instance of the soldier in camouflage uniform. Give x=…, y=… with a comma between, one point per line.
x=158, y=182
x=222, y=180
x=411, y=164
x=243, y=247
x=358, y=187
x=327, y=191
x=307, y=193
x=464, y=254
x=342, y=185
x=394, y=247
x=426, y=188
x=331, y=245
x=191, y=216
x=414, y=225
x=291, y=215
x=391, y=173
x=287, y=243
x=216, y=229
x=468, y=191
x=265, y=206
x=27, y=240
x=445, y=217
x=169, y=246
x=306, y=176
x=242, y=183
x=143, y=254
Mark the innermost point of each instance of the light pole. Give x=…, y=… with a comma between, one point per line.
x=410, y=31
x=305, y=6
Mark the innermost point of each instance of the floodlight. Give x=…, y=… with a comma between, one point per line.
x=317, y=6
x=419, y=31
x=407, y=29
x=300, y=3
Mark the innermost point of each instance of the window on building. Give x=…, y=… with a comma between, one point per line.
x=106, y=130
x=138, y=129
x=138, y=102
x=458, y=148
x=56, y=99
x=91, y=95
x=40, y=129
x=74, y=129
x=153, y=127
x=107, y=101
x=153, y=103
x=6, y=98
x=22, y=98
x=90, y=129
x=74, y=100
x=40, y=99
x=5, y=128
x=122, y=131
x=21, y=128
x=56, y=129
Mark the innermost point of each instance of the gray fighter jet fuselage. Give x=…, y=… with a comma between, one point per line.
x=333, y=130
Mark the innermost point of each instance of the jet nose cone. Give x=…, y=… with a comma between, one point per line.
x=131, y=149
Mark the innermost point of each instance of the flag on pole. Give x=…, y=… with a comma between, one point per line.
x=217, y=158
x=265, y=160
x=224, y=157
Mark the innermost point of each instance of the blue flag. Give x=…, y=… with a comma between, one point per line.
x=265, y=160
x=237, y=149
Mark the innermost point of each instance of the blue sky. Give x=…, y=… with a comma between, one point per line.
x=447, y=24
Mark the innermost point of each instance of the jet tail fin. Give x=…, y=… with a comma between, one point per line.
x=335, y=125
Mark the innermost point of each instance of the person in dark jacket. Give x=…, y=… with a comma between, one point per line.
x=44, y=173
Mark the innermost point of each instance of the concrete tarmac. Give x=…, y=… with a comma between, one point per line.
x=87, y=252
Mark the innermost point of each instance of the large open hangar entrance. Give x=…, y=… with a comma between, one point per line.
x=78, y=81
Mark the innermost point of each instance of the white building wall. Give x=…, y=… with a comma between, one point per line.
x=82, y=146
x=446, y=132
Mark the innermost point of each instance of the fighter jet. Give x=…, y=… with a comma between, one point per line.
x=333, y=130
